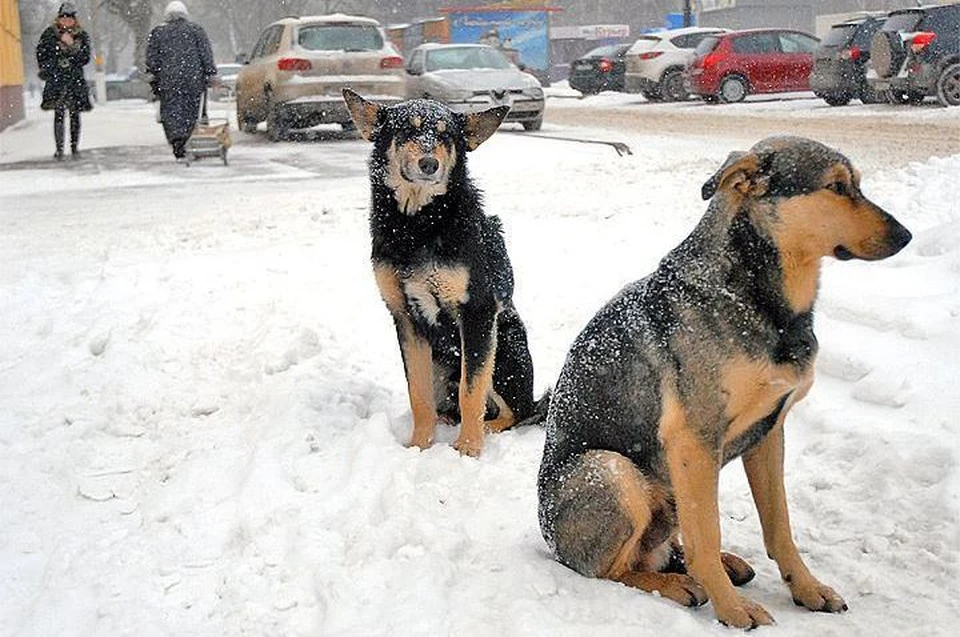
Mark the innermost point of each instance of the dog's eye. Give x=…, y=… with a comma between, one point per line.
x=839, y=187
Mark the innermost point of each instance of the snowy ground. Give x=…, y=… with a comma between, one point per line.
x=203, y=407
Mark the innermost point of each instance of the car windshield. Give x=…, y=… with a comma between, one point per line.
x=467, y=57
x=340, y=37
x=706, y=45
x=603, y=51
x=902, y=21
x=839, y=34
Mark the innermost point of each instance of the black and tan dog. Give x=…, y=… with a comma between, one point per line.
x=443, y=271
x=696, y=365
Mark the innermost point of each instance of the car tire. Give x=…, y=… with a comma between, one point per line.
x=733, y=89
x=651, y=95
x=245, y=123
x=276, y=126
x=841, y=99
x=673, y=86
x=868, y=95
x=533, y=124
x=948, y=86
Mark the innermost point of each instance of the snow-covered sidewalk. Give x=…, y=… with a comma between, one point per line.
x=203, y=407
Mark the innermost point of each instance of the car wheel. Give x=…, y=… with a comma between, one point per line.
x=733, y=89
x=348, y=127
x=673, y=86
x=533, y=124
x=652, y=95
x=948, y=86
x=245, y=123
x=841, y=99
x=868, y=95
x=276, y=124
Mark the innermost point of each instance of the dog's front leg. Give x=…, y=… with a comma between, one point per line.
x=418, y=365
x=764, y=467
x=478, y=333
x=694, y=473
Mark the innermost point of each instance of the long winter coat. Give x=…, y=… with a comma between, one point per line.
x=61, y=67
x=181, y=61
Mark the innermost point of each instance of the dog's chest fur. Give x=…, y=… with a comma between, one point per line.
x=430, y=288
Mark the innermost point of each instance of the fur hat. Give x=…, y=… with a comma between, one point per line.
x=176, y=8
x=67, y=10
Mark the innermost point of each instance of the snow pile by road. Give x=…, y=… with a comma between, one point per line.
x=204, y=409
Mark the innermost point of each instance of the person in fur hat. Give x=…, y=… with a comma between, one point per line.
x=180, y=59
x=63, y=51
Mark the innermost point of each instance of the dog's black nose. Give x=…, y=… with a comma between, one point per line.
x=428, y=165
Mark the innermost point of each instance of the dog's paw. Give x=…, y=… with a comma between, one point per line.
x=469, y=447
x=682, y=589
x=743, y=613
x=419, y=443
x=818, y=597
x=737, y=569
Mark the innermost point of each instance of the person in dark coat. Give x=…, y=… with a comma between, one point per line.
x=180, y=60
x=63, y=51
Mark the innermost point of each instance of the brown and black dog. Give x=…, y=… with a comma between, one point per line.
x=442, y=268
x=696, y=365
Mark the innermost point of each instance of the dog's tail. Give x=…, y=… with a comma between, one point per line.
x=540, y=408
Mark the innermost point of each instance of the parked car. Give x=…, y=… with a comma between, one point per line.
x=126, y=84
x=298, y=67
x=730, y=66
x=916, y=53
x=656, y=62
x=600, y=69
x=840, y=62
x=474, y=77
x=227, y=87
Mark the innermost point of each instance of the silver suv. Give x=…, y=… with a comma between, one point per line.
x=657, y=61
x=298, y=67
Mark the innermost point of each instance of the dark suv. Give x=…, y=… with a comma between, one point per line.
x=916, y=53
x=840, y=62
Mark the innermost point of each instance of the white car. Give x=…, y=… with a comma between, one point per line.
x=656, y=62
x=474, y=77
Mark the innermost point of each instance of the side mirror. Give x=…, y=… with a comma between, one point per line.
x=412, y=70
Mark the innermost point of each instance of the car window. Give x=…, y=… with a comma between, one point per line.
x=906, y=21
x=941, y=21
x=416, y=62
x=797, y=43
x=756, y=43
x=866, y=32
x=261, y=44
x=839, y=34
x=707, y=44
x=468, y=57
x=228, y=69
x=270, y=41
x=340, y=37
x=688, y=41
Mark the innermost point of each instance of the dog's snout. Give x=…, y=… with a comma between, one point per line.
x=428, y=165
x=898, y=237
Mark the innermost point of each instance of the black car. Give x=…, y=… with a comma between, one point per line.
x=601, y=69
x=840, y=62
x=916, y=53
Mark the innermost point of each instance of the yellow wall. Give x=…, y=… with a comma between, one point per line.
x=11, y=63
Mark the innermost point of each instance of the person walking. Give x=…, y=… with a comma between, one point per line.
x=63, y=51
x=180, y=59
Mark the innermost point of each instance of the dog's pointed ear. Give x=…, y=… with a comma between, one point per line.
x=741, y=171
x=480, y=126
x=365, y=114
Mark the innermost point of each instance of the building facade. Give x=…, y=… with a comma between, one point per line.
x=11, y=65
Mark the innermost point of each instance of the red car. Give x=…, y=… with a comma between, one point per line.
x=730, y=66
